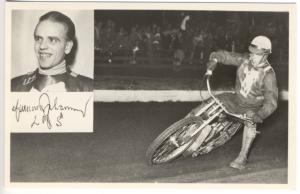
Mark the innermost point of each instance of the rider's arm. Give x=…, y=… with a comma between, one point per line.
x=226, y=58
x=270, y=96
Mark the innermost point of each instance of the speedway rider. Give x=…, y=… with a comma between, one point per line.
x=256, y=91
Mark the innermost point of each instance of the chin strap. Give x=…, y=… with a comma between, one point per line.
x=264, y=62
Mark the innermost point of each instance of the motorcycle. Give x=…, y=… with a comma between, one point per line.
x=211, y=126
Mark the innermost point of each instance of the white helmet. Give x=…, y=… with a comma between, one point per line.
x=260, y=45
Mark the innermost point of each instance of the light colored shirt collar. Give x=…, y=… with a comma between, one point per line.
x=58, y=69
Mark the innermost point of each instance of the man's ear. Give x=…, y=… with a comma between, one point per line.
x=68, y=47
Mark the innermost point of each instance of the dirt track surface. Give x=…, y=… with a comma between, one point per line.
x=115, y=152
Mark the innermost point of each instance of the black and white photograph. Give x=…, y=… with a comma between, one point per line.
x=184, y=93
x=45, y=48
x=52, y=70
x=235, y=63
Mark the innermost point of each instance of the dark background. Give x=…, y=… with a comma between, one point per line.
x=118, y=68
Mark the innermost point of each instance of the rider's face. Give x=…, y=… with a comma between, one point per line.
x=256, y=59
x=51, y=43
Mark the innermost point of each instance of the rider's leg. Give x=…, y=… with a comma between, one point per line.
x=249, y=134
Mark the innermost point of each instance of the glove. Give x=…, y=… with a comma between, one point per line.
x=208, y=73
x=254, y=117
x=211, y=65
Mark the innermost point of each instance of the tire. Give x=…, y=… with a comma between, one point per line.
x=161, y=140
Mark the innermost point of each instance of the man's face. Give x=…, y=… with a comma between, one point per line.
x=256, y=59
x=51, y=44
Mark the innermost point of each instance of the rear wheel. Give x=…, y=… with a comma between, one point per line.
x=173, y=141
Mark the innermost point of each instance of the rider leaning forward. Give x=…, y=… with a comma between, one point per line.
x=256, y=91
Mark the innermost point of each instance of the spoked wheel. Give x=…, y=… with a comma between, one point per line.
x=173, y=141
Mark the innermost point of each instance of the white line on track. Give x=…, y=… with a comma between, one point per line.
x=158, y=95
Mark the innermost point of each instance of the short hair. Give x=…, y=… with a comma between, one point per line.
x=56, y=16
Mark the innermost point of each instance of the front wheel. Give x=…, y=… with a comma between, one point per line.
x=173, y=141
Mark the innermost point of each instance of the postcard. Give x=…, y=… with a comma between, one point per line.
x=150, y=95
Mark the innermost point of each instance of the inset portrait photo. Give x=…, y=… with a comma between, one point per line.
x=52, y=51
x=50, y=70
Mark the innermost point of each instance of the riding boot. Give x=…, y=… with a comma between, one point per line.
x=248, y=137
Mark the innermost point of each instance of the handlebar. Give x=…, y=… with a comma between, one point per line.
x=239, y=116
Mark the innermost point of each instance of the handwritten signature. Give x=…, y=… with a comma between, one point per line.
x=45, y=106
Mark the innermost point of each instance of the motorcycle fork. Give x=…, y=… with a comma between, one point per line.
x=213, y=111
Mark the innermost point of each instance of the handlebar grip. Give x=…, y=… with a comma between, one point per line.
x=208, y=72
